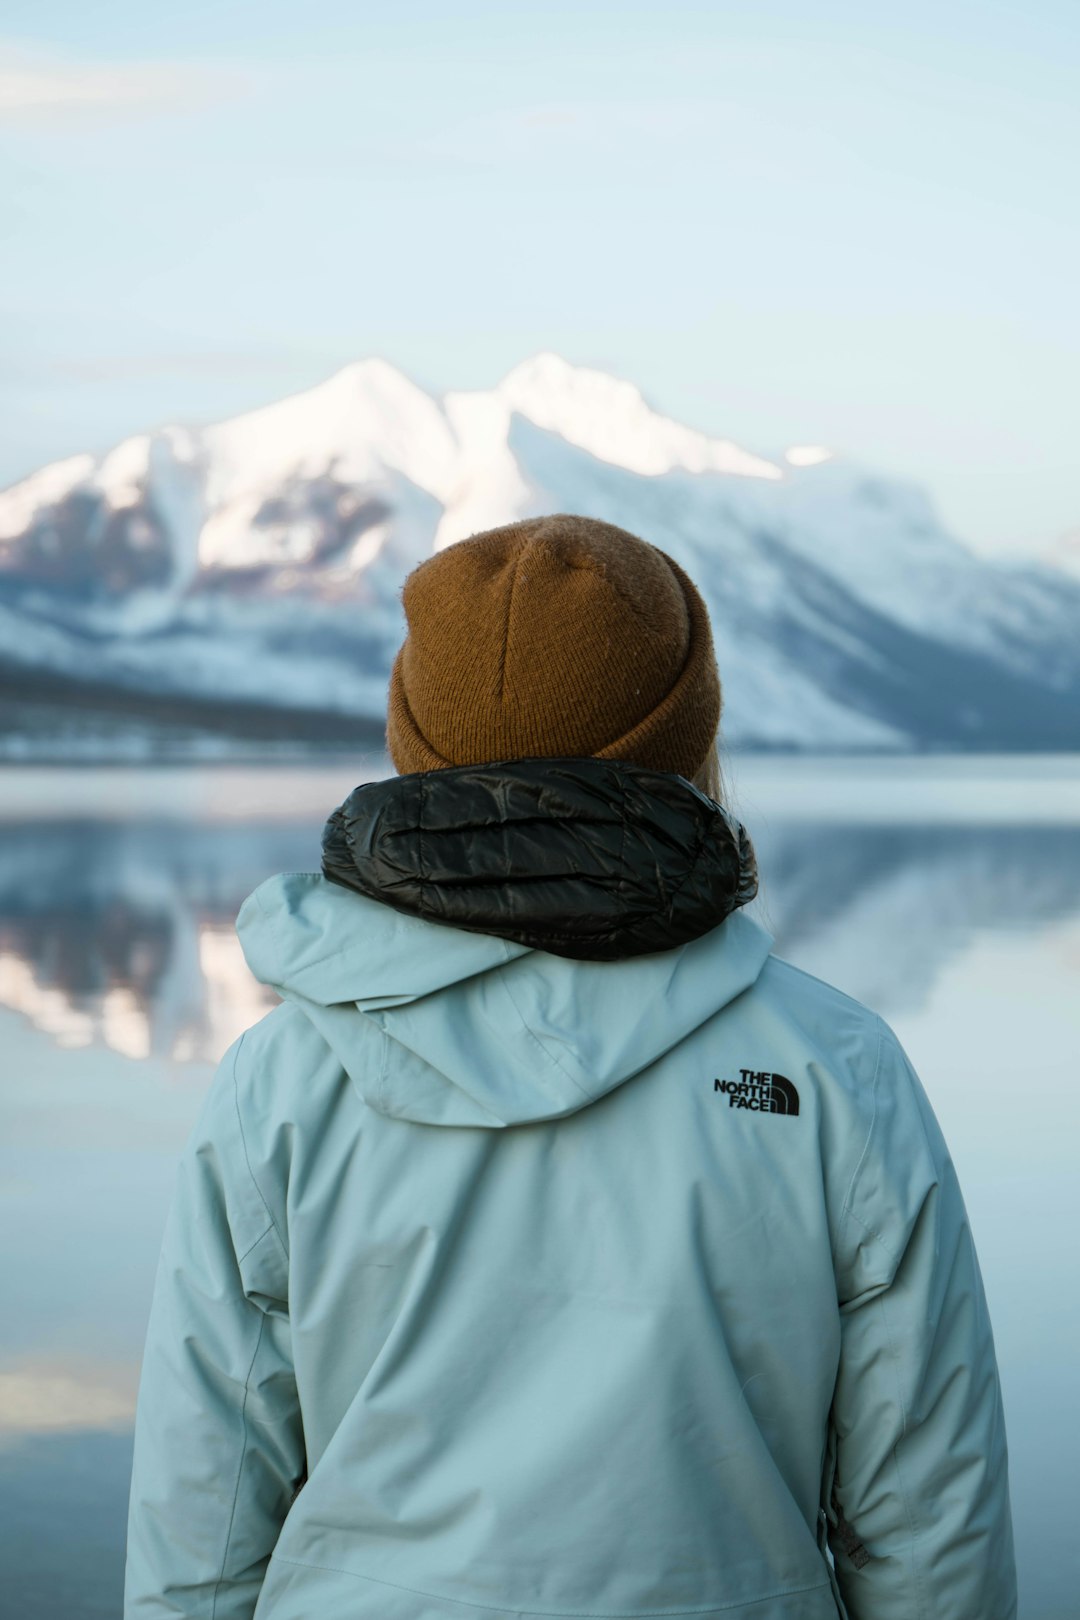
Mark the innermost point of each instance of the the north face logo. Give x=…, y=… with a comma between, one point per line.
x=761, y=1092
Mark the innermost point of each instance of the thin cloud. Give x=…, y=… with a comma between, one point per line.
x=37, y=86
x=185, y=362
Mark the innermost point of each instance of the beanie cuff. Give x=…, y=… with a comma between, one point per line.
x=678, y=733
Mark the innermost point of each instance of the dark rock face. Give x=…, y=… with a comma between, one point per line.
x=82, y=550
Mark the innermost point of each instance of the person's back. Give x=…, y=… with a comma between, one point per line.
x=555, y=1248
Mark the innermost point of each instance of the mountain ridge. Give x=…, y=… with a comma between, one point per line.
x=254, y=566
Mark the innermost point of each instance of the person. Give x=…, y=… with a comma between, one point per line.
x=554, y=1247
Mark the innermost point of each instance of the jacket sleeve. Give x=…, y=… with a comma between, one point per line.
x=917, y=1507
x=219, y=1449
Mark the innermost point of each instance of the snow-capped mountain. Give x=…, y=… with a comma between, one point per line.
x=243, y=580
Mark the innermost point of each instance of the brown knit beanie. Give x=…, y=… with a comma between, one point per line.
x=554, y=636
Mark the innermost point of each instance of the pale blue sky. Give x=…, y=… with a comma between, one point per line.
x=842, y=223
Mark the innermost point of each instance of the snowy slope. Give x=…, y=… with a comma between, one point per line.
x=252, y=570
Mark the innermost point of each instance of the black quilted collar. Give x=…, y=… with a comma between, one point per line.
x=583, y=857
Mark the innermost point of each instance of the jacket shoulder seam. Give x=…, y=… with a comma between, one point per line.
x=247, y=1157
x=846, y=1209
x=842, y=996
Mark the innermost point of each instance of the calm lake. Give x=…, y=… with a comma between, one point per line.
x=944, y=893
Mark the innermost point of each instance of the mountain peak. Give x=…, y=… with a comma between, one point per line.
x=366, y=417
x=610, y=418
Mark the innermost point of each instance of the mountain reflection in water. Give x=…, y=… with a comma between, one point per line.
x=123, y=932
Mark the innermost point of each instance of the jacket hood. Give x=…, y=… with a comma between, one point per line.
x=473, y=1022
x=583, y=857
